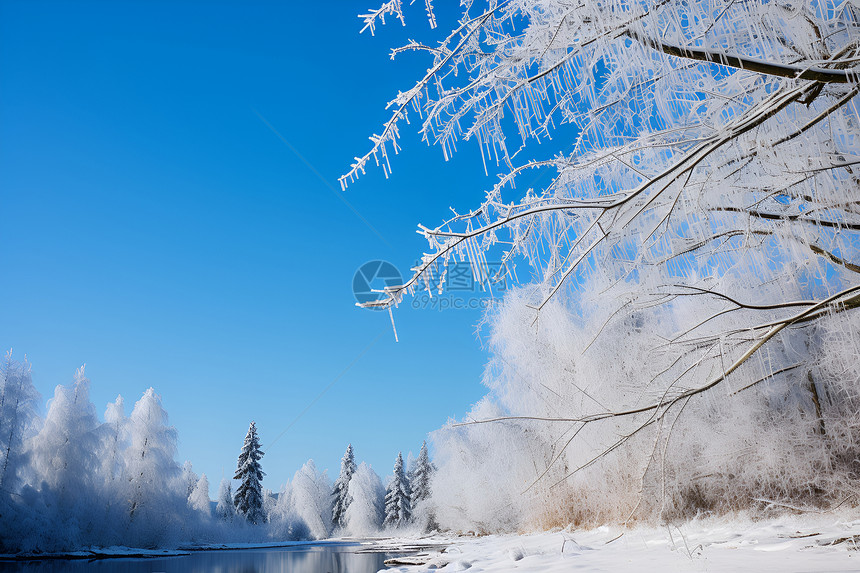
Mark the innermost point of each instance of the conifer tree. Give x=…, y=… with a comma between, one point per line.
x=249, y=494
x=340, y=493
x=398, y=507
x=419, y=477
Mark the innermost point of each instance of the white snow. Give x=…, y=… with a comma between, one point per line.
x=784, y=545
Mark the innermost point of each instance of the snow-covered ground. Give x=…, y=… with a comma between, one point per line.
x=788, y=544
x=822, y=543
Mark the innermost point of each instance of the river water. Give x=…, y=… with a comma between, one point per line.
x=305, y=559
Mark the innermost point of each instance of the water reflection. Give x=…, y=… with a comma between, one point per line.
x=327, y=559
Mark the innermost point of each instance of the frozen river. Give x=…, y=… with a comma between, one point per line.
x=305, y=559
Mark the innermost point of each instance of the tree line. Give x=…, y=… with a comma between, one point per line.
x=407, y=491
x=69, y=480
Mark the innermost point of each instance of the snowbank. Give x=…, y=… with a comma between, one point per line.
x=823, y=543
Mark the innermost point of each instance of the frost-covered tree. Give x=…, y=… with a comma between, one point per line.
x=199, y=498
x=310, y=497
x=303, y=506
x=225, y=508
x=189, y=478
x=73, y=482
x=420, y=476
x=340, y=492
x=18, y=422
x=249, y=494
x=115, y=439
x=85, y=483
x=18, y=398
x=272, y=504
x=691, y=232
x=64, y=457
x=154, y=489
x=398, y=497
x=281, y=519
x=366, y=509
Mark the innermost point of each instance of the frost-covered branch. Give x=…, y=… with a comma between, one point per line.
x=723, y=58
x=702, y=213
x=840, y=302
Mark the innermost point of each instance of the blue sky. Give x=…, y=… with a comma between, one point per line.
x=155, y=228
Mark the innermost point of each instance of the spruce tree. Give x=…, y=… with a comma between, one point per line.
x=340, y=493
x=419, y=478
x=249, y=494
x=398, y=507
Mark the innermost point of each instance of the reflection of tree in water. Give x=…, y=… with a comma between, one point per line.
x=347, y=561
x=306, y=560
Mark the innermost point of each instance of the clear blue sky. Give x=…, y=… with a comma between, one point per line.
x=154, y=227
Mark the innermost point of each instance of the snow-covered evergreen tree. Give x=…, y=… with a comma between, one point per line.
x=225, y=510
x=340, y=493
x=249, y=494
x=398, y=505
x=419, y=477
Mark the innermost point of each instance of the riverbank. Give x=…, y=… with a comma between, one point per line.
x=122, y=552
x=823, y=543
x=786, y=544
